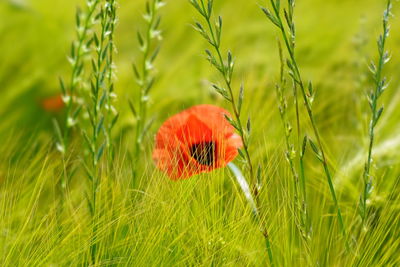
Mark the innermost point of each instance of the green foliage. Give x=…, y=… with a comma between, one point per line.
x=205, y=220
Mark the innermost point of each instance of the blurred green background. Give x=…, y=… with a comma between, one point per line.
x=335, y=41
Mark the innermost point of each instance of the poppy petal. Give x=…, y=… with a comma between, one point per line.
x=53, y=104
x=196, y=140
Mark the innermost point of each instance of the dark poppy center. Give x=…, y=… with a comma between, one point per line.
x=203, y=153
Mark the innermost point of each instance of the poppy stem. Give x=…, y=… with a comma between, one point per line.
x=244, y=186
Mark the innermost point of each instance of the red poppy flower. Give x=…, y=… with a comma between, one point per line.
x=53, y=104
x=196, y=140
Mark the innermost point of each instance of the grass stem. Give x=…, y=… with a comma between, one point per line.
x=276, y=19
x=226, y=67
x=380, y=85
x=143, y=70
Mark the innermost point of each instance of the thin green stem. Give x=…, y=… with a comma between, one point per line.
x=77, y=65
x=380, y=84
x=299, y=200
x=226, y=69
x=296, y=75
x=112, y=114
x=255, y=206
x=143, y=71
x=228, y=81
x=98, y=108
x=78, y=50
x=290, y=151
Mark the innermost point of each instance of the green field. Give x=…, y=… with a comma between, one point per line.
x=143, y=218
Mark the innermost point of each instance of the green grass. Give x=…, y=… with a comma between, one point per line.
x=150, y=220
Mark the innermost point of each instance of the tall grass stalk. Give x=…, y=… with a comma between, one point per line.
x=149, y=46
x=102, y=115
x=72, y=93
x=307, y=92
x=300, y=203
x=376, y=112
x=226, y=70
x=110, y=95
x=212, y=34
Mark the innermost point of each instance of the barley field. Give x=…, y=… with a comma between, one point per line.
x=199, y=133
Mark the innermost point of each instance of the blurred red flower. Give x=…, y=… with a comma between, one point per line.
x=53, y=104
x=196, y=140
